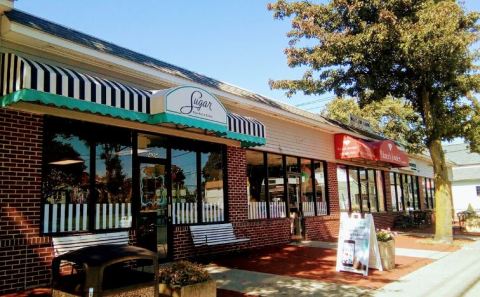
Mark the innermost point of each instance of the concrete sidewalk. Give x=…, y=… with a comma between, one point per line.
x=266, y=284
x=453, y=275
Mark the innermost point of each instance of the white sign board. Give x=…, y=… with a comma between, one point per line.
x=190, y=102
x=357, y=244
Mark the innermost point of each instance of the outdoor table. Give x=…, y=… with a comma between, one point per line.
x=102, y=272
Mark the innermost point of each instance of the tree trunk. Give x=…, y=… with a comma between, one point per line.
x=442, y=196
x=443, y=199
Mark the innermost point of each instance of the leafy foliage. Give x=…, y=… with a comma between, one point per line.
x=417, y=50
x=370, y=49
x=385, y=235
x=393, y=118
x=183, y=273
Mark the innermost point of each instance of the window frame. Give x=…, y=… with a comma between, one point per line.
x=356, y=170
x=285, y=181
x=50, y=125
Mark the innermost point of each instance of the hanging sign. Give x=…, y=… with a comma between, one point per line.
x=357, y=244
x=189, y=102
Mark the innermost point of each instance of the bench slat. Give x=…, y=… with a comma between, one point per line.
x=66, y=244
x=216, y=234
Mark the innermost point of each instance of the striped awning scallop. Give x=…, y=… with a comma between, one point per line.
x=23, y=79
x=244, y=128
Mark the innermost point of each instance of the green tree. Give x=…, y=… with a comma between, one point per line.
x=393, y=118
x=417, y=50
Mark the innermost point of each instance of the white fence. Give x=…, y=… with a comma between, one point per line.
x=186, y=212
x=74, y=217
x=308, y=209
x=322, y=208
x=277, y=210
x=257, y=210
x=113, y=215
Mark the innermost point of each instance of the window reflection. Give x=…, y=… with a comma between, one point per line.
x=354, y=189
x=343, y=187
x=184, y=176
x=255, y=176
x=212, y=177
x=113, y=178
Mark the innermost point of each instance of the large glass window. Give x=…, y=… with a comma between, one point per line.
x=257, y=201
x=87, y=182
x=113, y=177
x=354, y=189
x=361, y=188
x=320, y=187
x=372, y=190
x=393, y=191
x=380, y=190
x=305, y=187
x=276, y=185
x=66, y=180
x=343, y=188
x=404, y=191
x=212, y=186
x=428, y=192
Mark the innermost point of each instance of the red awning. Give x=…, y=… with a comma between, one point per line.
x=348, y=147
x=387, y=151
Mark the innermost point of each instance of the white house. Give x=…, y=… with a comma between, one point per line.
x=466, y=176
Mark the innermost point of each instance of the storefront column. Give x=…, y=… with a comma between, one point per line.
x=237, y=185
x=25, y=256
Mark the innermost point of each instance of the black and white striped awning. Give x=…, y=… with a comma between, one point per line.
x=245, y=125
x=21, y=73
x=94, y=94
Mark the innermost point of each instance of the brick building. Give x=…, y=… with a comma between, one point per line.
x=95, y=138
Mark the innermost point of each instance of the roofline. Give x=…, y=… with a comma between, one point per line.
x=45, y=42
x=27, y=36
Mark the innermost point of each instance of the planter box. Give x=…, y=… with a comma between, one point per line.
x=205, y=289
x=387, y=254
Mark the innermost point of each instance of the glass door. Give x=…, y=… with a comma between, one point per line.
x=153, y=219
x=293, y=188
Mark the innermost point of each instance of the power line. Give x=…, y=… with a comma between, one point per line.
x=315, y=101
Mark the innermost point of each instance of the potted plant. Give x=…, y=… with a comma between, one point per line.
x=386, y=246
x=186, y=279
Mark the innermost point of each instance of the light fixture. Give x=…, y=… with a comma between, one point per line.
x=66, y=162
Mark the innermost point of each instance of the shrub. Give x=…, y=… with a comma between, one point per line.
x=183, y=273
x=385, y=235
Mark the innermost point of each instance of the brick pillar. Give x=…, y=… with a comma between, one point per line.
x=237, y=184
x=25, y=256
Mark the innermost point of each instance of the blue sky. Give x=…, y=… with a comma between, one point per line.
x=235, y=41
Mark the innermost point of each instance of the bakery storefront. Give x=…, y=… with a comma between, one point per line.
x=100, y=178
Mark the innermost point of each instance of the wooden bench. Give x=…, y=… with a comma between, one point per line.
x=65, y=244
x=212, y=235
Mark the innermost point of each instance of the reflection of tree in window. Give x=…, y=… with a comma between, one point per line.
x=67, y=167
x=256, y=176
x=212, y=177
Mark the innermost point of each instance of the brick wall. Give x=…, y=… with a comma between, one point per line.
x=24, y=255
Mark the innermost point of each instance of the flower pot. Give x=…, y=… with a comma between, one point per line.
x=204, y=289
x=387, y=254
